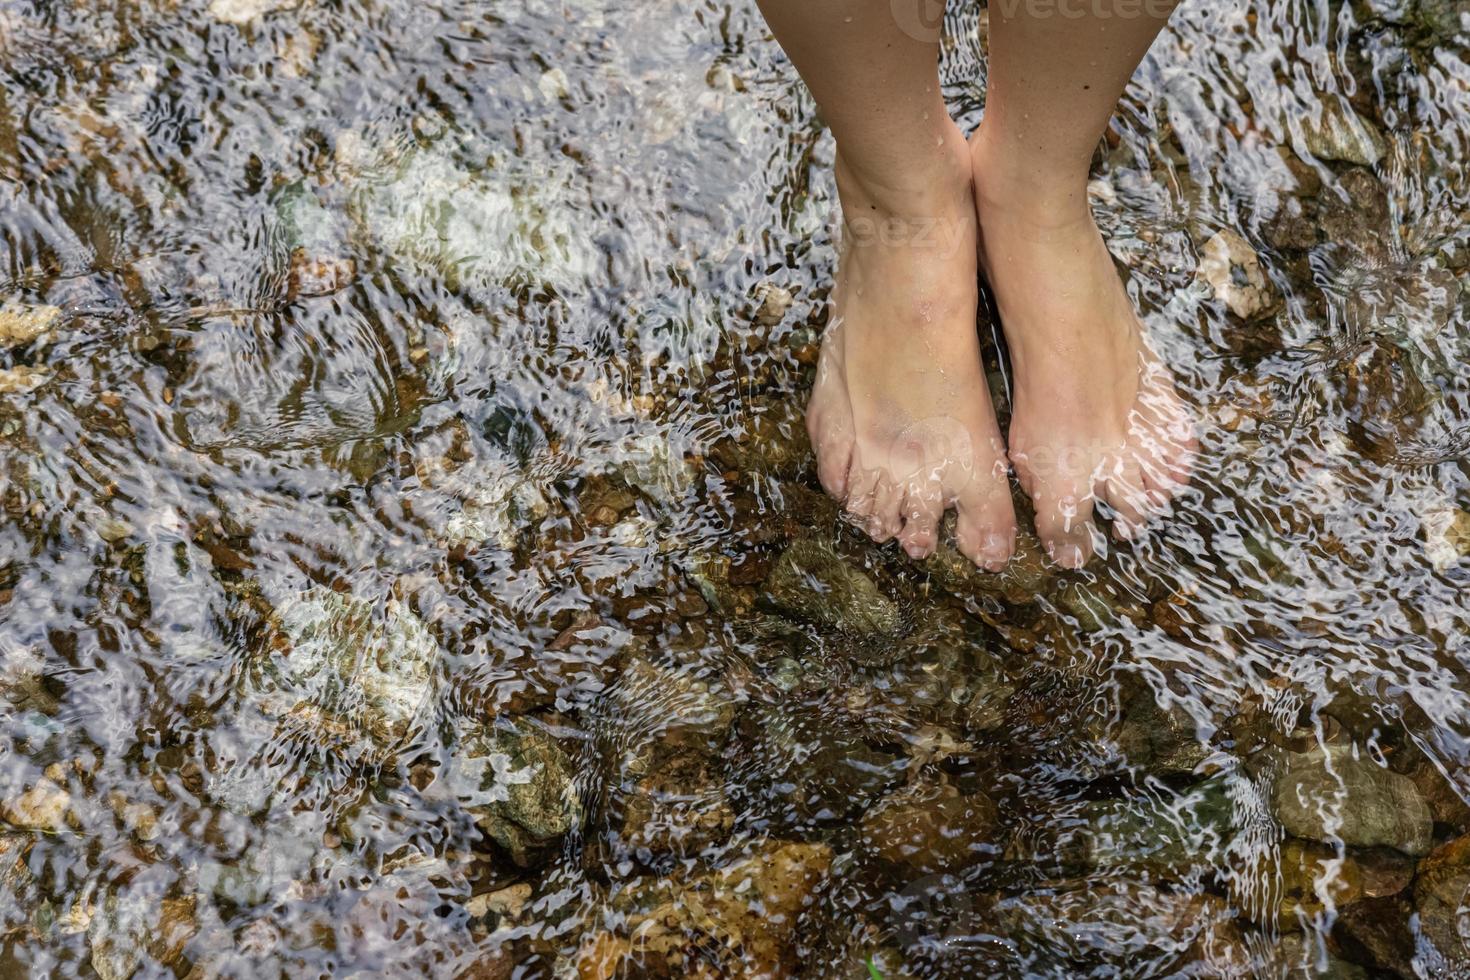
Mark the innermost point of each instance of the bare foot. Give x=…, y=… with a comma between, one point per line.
x=1096, y=416
x=900, y=415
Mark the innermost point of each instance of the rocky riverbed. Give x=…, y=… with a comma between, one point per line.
x=413, y=564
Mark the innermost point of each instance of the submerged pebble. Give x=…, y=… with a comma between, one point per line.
x=1447, y=535
x=739, y=920
x=1232, y=270
x=1302, y=957
x=42, y=807
x=1338, y=133
x=20, y=380
x=22, y=325
x=810, y=581
x=931, y=829
x=517, y=783
x=771, y=303
x=679, y=808
x=352, y=662
x=243, y=13
x=1339, y=794
x=1441, y=887
x=1446, y=20
x=126, y=931
x=495, y=909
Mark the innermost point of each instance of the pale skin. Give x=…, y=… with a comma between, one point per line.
x=900, y=415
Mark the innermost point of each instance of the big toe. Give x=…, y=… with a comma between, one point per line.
x=1064, y=523
x=1164, y=439
x=1165, y=464
x=832, y=441
x=1177, y=454
x=829, y=426
x=1126, y=492
x=985, y=525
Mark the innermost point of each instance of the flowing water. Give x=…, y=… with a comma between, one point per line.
x=412, y=562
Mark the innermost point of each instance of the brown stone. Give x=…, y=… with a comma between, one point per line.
x=750, y=568
x=21, y=379
x=771, y=303
x=572, y=635
x=491, y=964
x=1442, y=901
x=176, y=925
x=313, y=275
x=498, y=907
x=1298, y=885
x=1445, y=803
x=931, y=829
x=1376, y=931
x=736, y=921
x=1384, y=872
x=678, y=808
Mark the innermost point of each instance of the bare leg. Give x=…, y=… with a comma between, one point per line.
x=1096, y=416
x=900, y=415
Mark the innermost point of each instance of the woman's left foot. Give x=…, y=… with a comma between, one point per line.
x=1095, y=414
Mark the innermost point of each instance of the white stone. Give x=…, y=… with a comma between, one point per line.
x=244, y=12
x=1232, y=270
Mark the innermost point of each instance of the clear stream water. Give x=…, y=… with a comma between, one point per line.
x=412, y=563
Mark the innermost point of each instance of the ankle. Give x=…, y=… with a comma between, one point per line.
x=1045, y=195
x=928, y=205
x=922, y=183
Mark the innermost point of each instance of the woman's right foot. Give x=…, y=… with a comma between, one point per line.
x=900, y=415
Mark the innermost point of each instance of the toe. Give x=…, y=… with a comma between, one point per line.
x=862, y=491
x=1166, y=438
x=1064, y=521
x=1170, y=460
x=830, y=429
x=985, y=525
x=1161, y=481
x=1179, y=458
x=1163, y=463
x=834, y=459
x=1124, y=491
x=884, y=522
x=923, y=507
